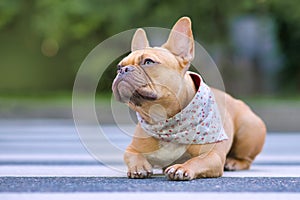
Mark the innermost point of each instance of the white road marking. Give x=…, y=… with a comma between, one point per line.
x=120, y=171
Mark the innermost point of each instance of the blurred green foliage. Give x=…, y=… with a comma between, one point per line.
x=43, y=42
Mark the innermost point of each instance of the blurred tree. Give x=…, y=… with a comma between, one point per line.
x=45, y=41
x=287, y=14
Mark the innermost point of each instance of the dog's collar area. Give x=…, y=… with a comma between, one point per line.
x=196, y=79
x=198, y=123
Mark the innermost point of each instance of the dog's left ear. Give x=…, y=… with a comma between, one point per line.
x=139, y=40
x=181, y=41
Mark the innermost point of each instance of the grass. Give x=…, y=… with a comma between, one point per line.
x=271, y=100
x=64, y=99
x=14, y=102
x=59, y=105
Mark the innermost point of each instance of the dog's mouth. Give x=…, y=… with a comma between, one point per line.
x=128, y=91
x=142, y=94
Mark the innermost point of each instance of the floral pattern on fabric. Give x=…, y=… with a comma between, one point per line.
x=198, y=123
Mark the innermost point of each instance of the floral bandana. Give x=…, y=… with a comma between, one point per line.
x=198, y=123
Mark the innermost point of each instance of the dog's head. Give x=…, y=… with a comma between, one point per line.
x=152, y=78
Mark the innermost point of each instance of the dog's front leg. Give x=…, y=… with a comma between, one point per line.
x=208, y=165
x=138, y=166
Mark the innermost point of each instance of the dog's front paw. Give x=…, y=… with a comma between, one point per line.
x=139, y=173
x=179, y=172
x=140, y=168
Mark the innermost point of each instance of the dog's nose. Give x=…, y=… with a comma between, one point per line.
x=126, y=69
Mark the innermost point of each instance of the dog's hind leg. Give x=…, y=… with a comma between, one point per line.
x=248, y=142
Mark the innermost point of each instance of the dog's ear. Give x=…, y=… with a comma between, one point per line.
x=139, y=40
x=181, y=41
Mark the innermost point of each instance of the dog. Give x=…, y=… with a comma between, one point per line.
x=184, y=127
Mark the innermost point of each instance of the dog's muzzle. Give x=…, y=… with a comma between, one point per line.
x=132, y=84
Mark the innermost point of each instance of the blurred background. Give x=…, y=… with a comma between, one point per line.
x=255, y=44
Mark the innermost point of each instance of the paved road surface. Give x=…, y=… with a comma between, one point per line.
x=44, y=159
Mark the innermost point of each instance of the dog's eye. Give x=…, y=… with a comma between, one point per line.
x=148, y=61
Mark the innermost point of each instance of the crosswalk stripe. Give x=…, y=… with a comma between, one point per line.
x=55, y=150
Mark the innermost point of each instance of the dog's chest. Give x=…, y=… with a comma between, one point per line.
x=167, y=154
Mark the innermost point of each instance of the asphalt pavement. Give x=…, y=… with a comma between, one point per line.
x=48, y=159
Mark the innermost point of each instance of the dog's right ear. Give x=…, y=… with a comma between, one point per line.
x=181, y=41
x=139, y=40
